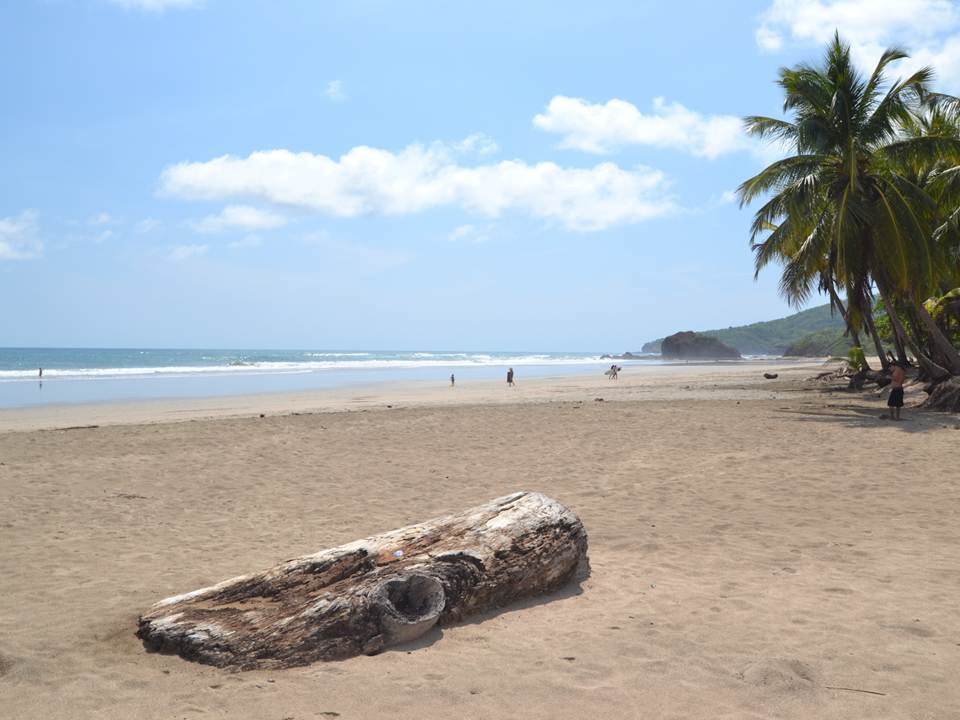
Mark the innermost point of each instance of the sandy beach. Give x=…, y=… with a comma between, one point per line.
x=758, y=549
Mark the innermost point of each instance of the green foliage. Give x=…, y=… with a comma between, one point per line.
x=945, y=311
x=772, y=337
x=824, y=343
x=854, y=203
x=856, y=359
x=884, y=327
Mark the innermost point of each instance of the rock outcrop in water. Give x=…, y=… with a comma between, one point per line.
x=689, y=345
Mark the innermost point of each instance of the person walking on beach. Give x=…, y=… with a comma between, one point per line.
x=453, y=380
x=895, y=401
x=510, y=377
x=41, y=372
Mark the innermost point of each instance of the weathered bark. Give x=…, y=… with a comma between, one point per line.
x=938, y=340
x=880, y=378
x=373, y=593
x=944, y=396
x=835, y=298
x=857, y=380
x=877, y=342
x=863, y=376
x=899, y=336
x=930, y=369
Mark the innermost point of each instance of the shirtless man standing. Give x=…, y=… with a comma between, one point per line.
x=895, y=401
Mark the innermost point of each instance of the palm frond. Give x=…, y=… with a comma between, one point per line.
x=779, y=175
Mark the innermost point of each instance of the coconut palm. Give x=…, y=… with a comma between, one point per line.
x=941, y=118
x=820, y=279
x=841, y=200
x=941, y=181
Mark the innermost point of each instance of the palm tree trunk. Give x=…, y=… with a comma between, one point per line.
x=938, y=340
x=877, y=342
x=934, y=371
x=897, y=327
x=855, y=336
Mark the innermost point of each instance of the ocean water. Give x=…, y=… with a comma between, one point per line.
x=79, y=375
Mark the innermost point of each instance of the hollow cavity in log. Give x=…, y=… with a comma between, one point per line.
x=374, y=593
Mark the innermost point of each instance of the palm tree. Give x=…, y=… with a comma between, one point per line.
x=803, y=283
x=942, y=180
x=840, y=201
x=939, y=177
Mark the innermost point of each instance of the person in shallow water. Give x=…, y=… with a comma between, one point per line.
x=510, y=377
x=895, y=401
x=453, y=380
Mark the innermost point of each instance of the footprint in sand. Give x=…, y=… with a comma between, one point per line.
x=838, y=591
x=915, y=630
x=780, y=675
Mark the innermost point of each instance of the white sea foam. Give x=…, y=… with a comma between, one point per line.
x=337, y=354
x=349, y=361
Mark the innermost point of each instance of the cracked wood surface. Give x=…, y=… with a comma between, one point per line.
x=367, y=595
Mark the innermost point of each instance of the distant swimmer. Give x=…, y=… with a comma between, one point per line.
x=510, y=377
x=453, y=380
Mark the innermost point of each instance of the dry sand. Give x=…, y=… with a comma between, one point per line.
x=758, y=550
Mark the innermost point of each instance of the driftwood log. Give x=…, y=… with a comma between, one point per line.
x=370, y=594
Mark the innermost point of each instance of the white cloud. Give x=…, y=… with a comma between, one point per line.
x=18, y=237
x=602, y=128
x=927, y=29
x=860, y=21
x=369, y=180
x=334, y=90
x=944, y=59
x=183, y=252
x=157, y=5
x=239, y=216
x=147, y=225
x=479, y=143
x=103, y=218
x=99, y=231
x=468, y=233
x=768, y=38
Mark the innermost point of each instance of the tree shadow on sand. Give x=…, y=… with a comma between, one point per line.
x=871, y=417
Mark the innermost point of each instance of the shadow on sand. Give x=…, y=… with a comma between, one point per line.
x=914, y=420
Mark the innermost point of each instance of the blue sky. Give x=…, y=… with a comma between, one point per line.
x=404, y=175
